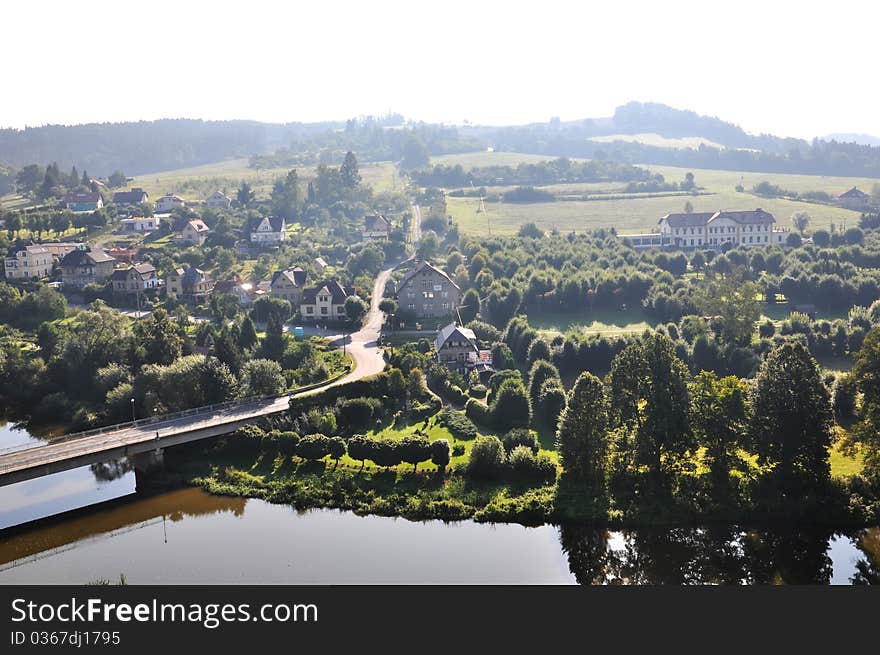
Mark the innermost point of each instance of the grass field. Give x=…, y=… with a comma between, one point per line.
x=651, y=139
x=198, y=182
x=641, y=214
x=600, y=321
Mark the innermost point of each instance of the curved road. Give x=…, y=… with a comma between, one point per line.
x=362, y=345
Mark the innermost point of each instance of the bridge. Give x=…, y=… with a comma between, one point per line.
x=143, y=441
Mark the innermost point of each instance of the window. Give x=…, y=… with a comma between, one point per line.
x=323, y=310
x=410, y=306
x=310, y=310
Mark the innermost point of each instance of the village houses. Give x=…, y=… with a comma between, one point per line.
x=27, y=262
x=84, y=266
x=712, y=230
x=269, y=231
x=133, y=197
x=192, y=232
x=376, y=228
x=324, y=302
x=134, y=280
x=289, y=285
x=218, y=200
x=191, y=285
x=168, y=202
x=427, y=292
x=83, y=201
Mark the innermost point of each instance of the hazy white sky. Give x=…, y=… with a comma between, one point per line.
x=792, y=68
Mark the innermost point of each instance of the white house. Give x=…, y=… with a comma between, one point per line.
x=27, y=262
x=168, y=202
x=754, y=227
x=140, y=224
x=270, y=231
x=324, y=302
x=219, y=200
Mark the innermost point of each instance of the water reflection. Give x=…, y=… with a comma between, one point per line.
x=721, y=555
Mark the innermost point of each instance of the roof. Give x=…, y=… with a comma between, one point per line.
x=277, y=223
x=296, y=276
x=376, y=223
x=700, y=219
x=128, y=197
x=144, y=268
x=748, y=216
x=454, y=330
x=691, y=219
x=320, y=262
x=197, y=224
x=220, y=195
x=422, y=266
x=30, y=249
x=80, y=257
x=192, y=276
x=82, y=196
x=171, y=196
x=336, y=290
x=854, y=193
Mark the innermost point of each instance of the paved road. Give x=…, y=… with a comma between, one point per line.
x=417, y=224
x=362, y=345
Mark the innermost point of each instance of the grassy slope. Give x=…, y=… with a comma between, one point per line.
x=638, y=214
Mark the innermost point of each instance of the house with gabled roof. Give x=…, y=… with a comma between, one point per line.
x=134, y=280
x=324, y=302
x=854, y=199
x=218, y=200
x=193, y=232
x=289, y=285
x=270, y=231
x=27, y=262
x=427, y=292
x=133, y=197
x=168, y=202
x=83, y=201
x=376, y=228
x=192, y=285
x=84, y=266
x=715, y=229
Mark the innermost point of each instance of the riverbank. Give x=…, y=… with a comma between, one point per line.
x=454, y=496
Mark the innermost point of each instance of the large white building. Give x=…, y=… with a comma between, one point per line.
x=753, y=227
x=270, y=231
x=28, y=262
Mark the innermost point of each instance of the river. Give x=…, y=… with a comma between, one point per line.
x=187, y=536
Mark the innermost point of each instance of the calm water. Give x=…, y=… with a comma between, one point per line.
x=188, y=536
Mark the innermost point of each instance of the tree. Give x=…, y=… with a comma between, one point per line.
x=866, y=374
x=414, y=448
x=245, y=195
x=821, y=238
x=60, y=222
x=582, y=438
x=486, y=458
x=649, y=396
x=440, y=453
x=348, y=172
x=718, y=417
x=261, y=377
x=268, y=308
x=688, y=207
x=551, y=403
x=415, y=154
x=160, y=337
x=336, y=448
x=359, y=448
x=790, y=426
x=29, y=178
x=793, y=240
x=285, y=196
x=800, y=220
x=538, y=350
x=470, y=306
x=313, y=447
x=247, y=336
x=274, y=344
x=388, y=306
x=355, y=309
x=510, y=407
x=541, y=371
x=735, y=299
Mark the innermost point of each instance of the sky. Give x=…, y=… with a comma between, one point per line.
x=800, y=69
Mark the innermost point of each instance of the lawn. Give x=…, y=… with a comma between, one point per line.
x=198, y=182
x=641, y=213
x=600, y=321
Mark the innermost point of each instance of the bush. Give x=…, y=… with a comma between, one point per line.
x=248, y=437
x=477, y=412
x=384, y=452
x=414, y=448
x=285, y=443
x=458, y=424
x=510, y=408
x=844, y=398
x=360, y=448
x=440, y=453
x=336, y=447
x=458, y=450
x=478, y=391
x=313, y=446
x=487, y=458
x=358, y=413
x=520, y=437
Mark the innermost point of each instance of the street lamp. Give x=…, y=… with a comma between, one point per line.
x=132, y=410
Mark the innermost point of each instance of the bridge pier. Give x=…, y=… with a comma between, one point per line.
x=146, y=464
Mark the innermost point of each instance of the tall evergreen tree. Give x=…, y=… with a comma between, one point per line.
x=247, y=338
x=790, y=427
x=348, y=172
x=582, y=439
x=867, y=377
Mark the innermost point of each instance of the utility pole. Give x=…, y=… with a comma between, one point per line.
x=132, y=410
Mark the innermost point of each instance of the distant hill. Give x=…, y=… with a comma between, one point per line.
x=861, y=139
x=148, y=146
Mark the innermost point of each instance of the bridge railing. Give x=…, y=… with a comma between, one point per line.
x=165, y=419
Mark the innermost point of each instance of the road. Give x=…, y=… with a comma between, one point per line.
x=417, y=224
x=78, y=451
